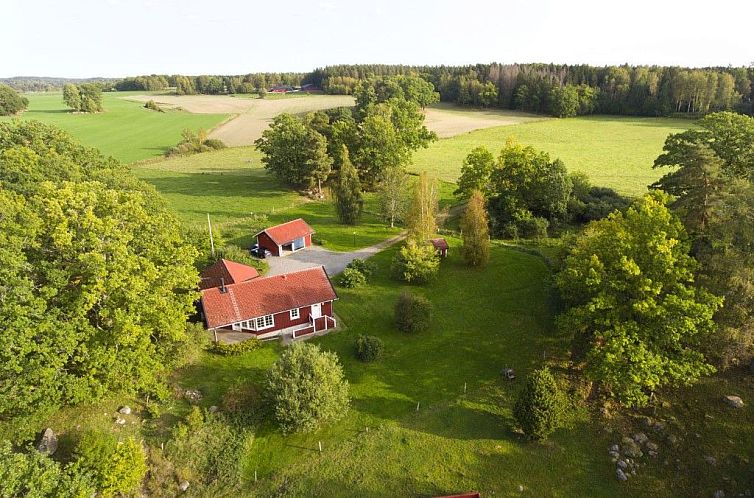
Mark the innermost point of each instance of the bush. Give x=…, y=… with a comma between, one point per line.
x=416, y=263
x=237, y=348
x=412, y=313
x=541, y=406
x=116, y=467
x=369, y=348
x=306, y=388
x=152, y=105
x=214, y=144
x=30, y=473
x=195, y=143
x=351, y=278
x=11, y=102
x=367, y=268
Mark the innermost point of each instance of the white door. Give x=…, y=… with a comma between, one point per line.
x=316, y=310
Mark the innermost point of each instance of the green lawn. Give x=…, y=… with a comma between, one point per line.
x=455, y=441
x=232, y=185
x=125, y=130
x=615, y=152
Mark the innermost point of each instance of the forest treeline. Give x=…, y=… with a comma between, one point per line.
x=559, y=90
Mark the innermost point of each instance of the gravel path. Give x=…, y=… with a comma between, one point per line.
x=333, y=261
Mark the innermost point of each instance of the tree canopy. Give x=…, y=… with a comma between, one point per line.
x=629, y=282
x=11, y=102
x=96, y=279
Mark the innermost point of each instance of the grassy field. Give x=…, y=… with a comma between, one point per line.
x=449, y=120
x=232, y=186
x=615, y=152
x=455, y=441
x=126, y=130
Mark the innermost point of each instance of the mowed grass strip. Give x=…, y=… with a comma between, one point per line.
x=125, y=130
x=616, y=152
x=484, y=320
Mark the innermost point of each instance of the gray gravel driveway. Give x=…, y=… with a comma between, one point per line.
x=333, y=261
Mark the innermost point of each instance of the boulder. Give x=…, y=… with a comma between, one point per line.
x=640, y=438
x=614, y=448
x=734, y=401
x=124, y=410
x=621, y=464
x=183, y=486
x=621, y=475
x=120, y=421
x=48, y=442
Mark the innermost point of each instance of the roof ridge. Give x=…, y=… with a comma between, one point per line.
x=233, y=301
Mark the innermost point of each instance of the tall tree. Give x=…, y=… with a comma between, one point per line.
x=295, y=152
x=393, y=194
x=475, y=172
x=629, y=282
x=421, y=219
x=11, y=102
x=347, y=191
x=71, y=96
x=475, y=229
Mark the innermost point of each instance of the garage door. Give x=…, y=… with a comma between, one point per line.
x=298, y=244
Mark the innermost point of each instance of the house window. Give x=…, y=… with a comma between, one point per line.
x=265, y=322
x=295, y=313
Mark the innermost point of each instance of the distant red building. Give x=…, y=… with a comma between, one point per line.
x=441, y=246
x=296, y=303
x=286, y=238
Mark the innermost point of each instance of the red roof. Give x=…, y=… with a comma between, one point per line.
x=439, y=243
x=288, y=232
x=266, y=296
x=229, y=271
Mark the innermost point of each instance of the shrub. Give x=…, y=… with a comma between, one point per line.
x=416, y=263
x=214, y=144
x=367, y=268
x=306, y=388
x=194, y=143
x=541, y=406
x=237, y=348
x=31, y=473
x=369, y=348
x=116, y=467
x=152, y=105
x=412, y=313
x=10, y=101
x=351, y=278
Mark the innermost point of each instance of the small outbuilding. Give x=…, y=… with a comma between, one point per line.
x=441, y=246
x=226, y=272
x=286, y=238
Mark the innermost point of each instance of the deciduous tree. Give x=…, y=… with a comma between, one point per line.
x=476, y=234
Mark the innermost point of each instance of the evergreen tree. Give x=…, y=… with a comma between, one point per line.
x=541, y=406
x=347, y=191
x=476, y=234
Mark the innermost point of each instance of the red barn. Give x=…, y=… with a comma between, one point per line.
x=441, y=246
x=296, y=303
x=286, y=238
x=226, y=272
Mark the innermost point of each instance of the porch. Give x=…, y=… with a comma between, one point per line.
x=316, y=327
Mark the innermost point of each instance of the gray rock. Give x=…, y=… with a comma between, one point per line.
x=48, y=442
x=614, y=454
x=640, y=438
x=653, y=454
x=652, y=446
x=710, y=460
x=193, y=395
x=120, y=421
x=621, y=464
x=719, y=494
x=614, y=447
x=183, y=486
x=125, y=410
x=621, y=475
x=213, y=409
x=631, y=449
x=734, y=401
x=520, y=488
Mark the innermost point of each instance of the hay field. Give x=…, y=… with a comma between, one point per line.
x=449, y=120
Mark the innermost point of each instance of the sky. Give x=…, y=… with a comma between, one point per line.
x=114, y=38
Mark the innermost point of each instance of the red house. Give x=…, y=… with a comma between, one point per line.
x=226, y=272
x=286, y=238
x=296, y=303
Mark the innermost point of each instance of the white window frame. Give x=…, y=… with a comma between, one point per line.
x=264, y=322
x=295, y=313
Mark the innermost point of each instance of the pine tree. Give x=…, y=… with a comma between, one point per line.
x=541, y=406
x=422, y=213
x=347, y=191
x=476, y=234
